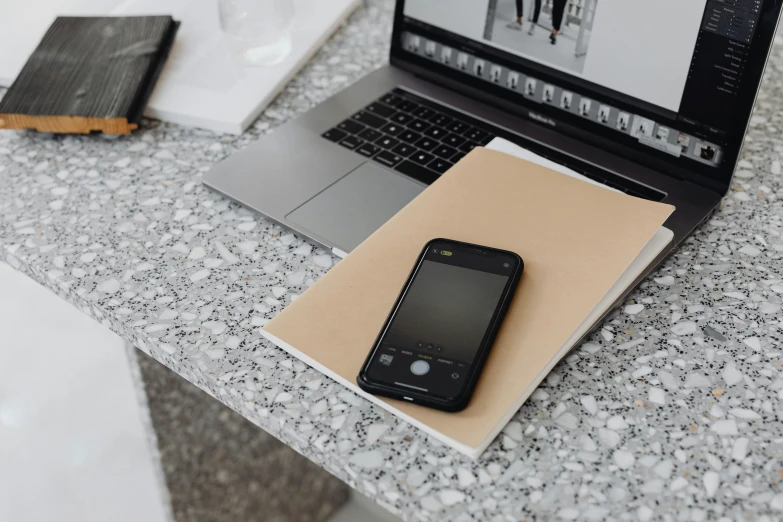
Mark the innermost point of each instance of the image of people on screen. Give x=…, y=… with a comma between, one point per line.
x=706, y=151
x=639, y=49
x=414, y=43
x=566, y=99
x=623, y=119
x=549, y=93
x=445, y=55
x=530, y=87
x=495, y=74
x=478, y=68
x=642, y=127
x=584, y=107
x=603, y=114
x=553, y=32
x=513, y=80
x=462, y=61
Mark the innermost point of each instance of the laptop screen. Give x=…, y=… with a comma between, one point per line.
x=674, y=79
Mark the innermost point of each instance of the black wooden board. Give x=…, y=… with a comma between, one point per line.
x=89, y=74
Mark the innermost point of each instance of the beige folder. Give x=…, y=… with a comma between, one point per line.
x=577, y=241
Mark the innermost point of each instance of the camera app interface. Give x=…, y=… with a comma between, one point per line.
x=436, y=333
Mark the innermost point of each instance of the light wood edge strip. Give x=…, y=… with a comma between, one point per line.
x=66, y=124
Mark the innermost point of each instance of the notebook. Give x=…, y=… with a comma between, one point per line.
x=582, y=244
x=201, y=85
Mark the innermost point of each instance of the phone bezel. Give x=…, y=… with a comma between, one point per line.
x=462, y=398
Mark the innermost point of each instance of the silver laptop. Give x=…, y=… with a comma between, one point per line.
x=652, y=103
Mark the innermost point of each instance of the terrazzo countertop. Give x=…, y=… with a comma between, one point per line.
x=671, y=411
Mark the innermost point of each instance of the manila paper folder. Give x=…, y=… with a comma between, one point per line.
x=576, y=240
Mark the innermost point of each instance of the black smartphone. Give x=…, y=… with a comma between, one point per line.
x=433, y=346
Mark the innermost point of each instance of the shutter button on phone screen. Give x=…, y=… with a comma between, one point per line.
x=420, y=367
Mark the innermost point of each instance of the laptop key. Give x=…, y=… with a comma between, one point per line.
x=476, y=135
x=351, y=127
x=457, y=127
x=417, y=172
x=401, y=118
x=370, y=120
x=444, y=151
x=408, y=106
x=404, y=150
x=439, y=165
x=454, y=140
x=423, y=113
x=387, y=158
x=387, y=142
x=352, y=142
x=370, y=134
x=391, y=100
x=436, y=132
x=419, y=125
x=441, y=120
x=422, y=158
x=381, y=110
x=426, y=143
x=487, y=139
x=468, y=146
x=392, y=129
x=409, y=136
x=334, y=135
x=369, y=150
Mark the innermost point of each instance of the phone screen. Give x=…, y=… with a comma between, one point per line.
x=440, y=325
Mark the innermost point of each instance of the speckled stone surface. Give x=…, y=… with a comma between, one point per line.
x=219, y=467
x=672, y=411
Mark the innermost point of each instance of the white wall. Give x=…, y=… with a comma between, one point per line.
x=73, y=443
x=644, y=47
x=464, y=17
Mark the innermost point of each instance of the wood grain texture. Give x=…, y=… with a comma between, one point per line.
x=89, y=74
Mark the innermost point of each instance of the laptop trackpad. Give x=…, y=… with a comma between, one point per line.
x=354, y=207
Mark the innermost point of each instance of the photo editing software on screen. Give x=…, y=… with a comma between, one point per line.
x=680, y=60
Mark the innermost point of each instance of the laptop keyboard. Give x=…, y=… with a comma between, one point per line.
x=423, y=140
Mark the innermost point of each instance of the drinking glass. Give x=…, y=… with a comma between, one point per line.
x=258, y=32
